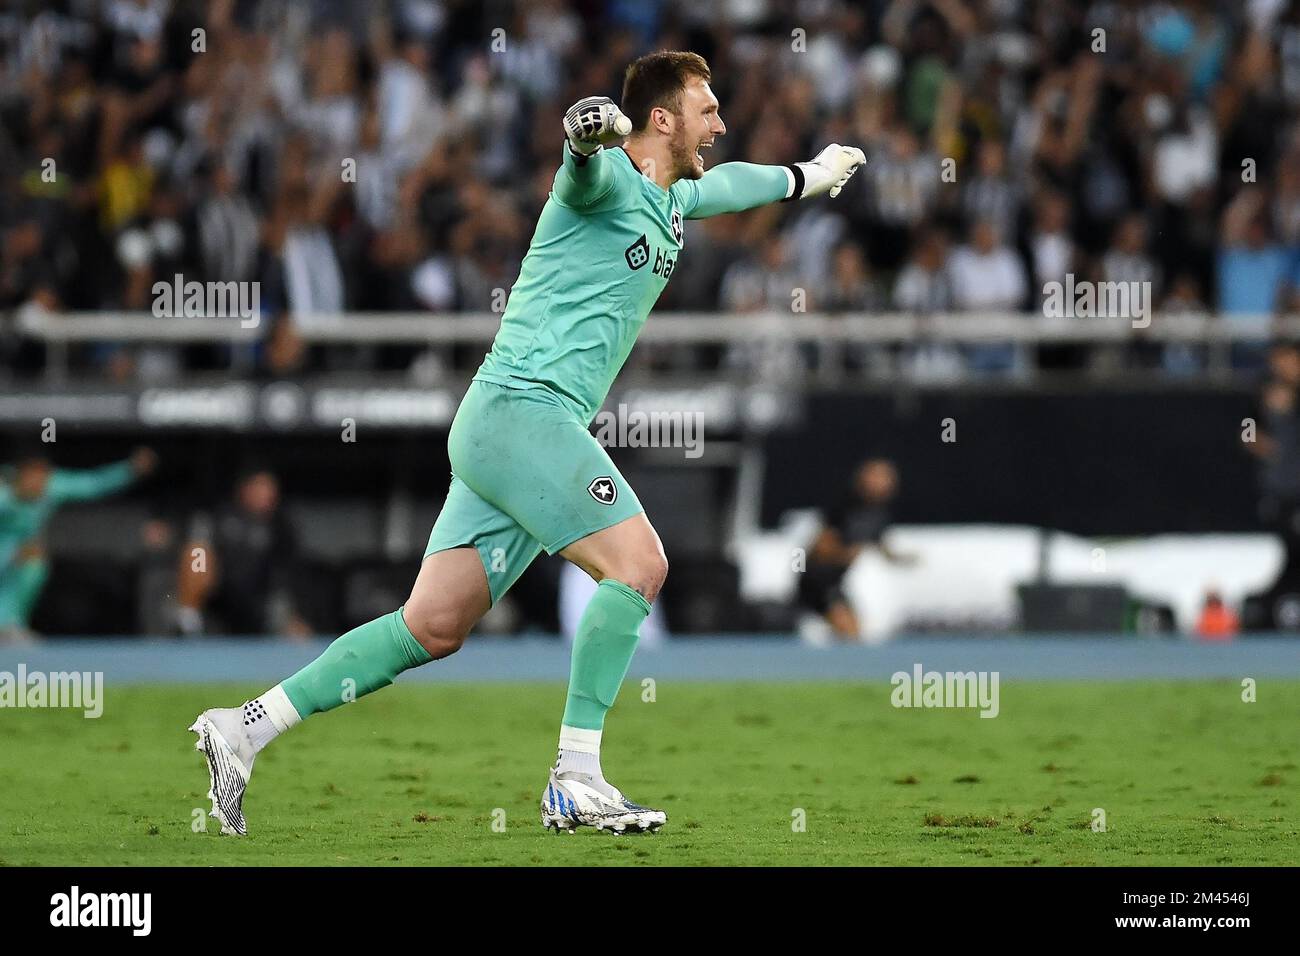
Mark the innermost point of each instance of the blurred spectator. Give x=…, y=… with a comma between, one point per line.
x=762, y=283
x=925, y=287
x=988, y=276
x=1254, y=271
x=228, y=237
x=851, y=286
x=758, y=283
x=1253, y=266
x=925, y=284
x=408, y=114
x=1183, y=300
x=1127, y=263
x=856, y=523
x=903, y=188
x=311, y=275
x=1277, y=446
x=1053, y=256
x=1278, y=440
x=1127, y=259
x=236, y=573
x=991, y=195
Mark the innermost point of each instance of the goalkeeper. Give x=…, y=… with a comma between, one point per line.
x=28, y=499
x=527, y=475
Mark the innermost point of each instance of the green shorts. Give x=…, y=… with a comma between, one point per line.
x=527, y=476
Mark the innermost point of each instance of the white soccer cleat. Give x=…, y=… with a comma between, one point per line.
x=571, y=801
x=230, y=756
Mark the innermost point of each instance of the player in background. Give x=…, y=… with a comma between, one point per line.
x=527, y=474
x=28, y=499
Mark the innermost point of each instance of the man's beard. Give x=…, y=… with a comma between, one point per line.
x=683, y=158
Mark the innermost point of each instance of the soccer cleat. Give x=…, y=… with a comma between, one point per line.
x=571, y=801
x=230, y=756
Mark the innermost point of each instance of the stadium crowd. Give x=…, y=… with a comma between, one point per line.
x=394, y=156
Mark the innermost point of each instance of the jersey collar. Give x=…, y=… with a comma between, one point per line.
x=628, y=156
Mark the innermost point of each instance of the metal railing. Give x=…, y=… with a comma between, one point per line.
x=828, y=333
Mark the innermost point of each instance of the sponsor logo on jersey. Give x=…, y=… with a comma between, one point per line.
x=664, y=263
x=603, y=490
x=637, y=254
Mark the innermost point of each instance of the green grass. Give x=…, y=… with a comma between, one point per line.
x=1186, y=773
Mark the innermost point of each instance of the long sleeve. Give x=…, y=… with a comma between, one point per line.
x=584, y=182
x=91, y=483
x=11, y=535
x=735, y=187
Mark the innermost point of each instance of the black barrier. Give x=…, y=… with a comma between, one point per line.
x=1091, y=463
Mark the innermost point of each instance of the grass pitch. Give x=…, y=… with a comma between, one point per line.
x=421, y=774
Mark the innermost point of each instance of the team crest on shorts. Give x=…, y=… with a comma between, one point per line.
x=603, y=490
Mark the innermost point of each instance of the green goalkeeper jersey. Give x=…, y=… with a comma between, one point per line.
x=22, y=520
x=606, y=244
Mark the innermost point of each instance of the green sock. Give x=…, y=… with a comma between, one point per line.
x=363, y=660
x=602, y=651
x=19, y=593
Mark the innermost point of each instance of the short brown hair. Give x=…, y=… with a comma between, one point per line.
x=659, y=79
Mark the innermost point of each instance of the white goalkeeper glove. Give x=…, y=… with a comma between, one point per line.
x=593, y=122
x=828, y=172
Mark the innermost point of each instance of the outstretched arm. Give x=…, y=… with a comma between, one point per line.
x=583, y=181
x=735, y=187
x=586, y=176
x=91, y=483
